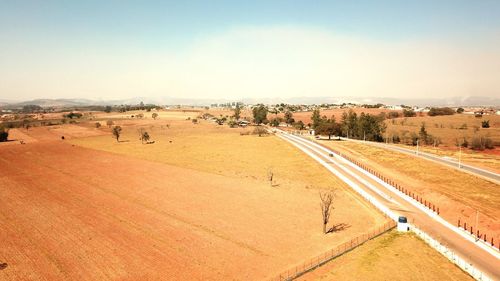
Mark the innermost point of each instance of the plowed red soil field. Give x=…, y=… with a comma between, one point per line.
x=72, y=213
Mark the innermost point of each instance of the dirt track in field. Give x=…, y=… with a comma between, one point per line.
x=71, y=213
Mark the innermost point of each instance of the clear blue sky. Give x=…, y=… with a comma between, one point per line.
x=35, y=33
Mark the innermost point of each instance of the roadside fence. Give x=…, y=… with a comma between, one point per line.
x=450, y=255
x=320, y=260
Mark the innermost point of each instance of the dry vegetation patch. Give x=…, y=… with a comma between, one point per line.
x=392, y=256
x=449, y=128
x=221, y=150
x=459, y=194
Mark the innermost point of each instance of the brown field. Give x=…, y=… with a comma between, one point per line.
x=69, y=212
x=459, y=194
x=162, y=114
x=217, y=149
x=392, y=256
x=447, y=128
x=194, y=205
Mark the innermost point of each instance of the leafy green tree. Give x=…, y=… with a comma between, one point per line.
x=260, y=114
x=299, y=125
x=328, y=127
x=423, y=133
x=315, y=118
x=107, y=109
x=460, y=110
x=275, y=122
x=237, y=111
x=289, y=117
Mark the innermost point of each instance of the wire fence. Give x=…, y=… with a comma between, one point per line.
x=327, y=256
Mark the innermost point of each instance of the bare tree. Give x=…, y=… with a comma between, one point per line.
x=270, y=176
x=145, y=137
x=117, y=131
x=326, y=207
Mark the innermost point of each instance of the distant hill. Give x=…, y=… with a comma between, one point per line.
x=455, y=101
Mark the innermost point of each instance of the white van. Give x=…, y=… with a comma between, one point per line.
x=403, y=224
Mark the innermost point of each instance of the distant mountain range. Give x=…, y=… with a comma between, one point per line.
x=455, y=101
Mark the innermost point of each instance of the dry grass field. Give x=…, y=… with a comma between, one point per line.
x=194, y=205
x=217, y=149
x=68, y=212
x=448, y=128
x=486, y=159
x=459, y=194
x=392, y=256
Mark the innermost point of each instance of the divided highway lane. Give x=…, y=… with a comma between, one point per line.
x=485, y=259
x=449, y=162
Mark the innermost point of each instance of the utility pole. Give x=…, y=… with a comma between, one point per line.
x=364, y=136
x=477, y=220
x=460, y=157
x=417, y=146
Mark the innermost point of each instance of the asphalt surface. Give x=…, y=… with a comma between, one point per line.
x=476, y=253
x=446, y=161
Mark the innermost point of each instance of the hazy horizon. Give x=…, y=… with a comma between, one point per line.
x=226, y=50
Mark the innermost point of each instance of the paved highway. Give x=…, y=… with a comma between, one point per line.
x=482, y=256
x=495, y=177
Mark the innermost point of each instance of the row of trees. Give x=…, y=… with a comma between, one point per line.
x=364, y=126
x=260, y=113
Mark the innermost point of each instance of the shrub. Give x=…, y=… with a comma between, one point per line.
x=393, y=114
x=110, y=123
x=232, y=123
x=72, y=115
x=260, y=131
x=97, y=125
x=481, y=143
x=435, y=111
x=409, y=113
x=4, y=134
x=275, y=122
x=485, y=124
x=299, y=125
x=396, y=139
x=460, y=110
x=462, y=142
